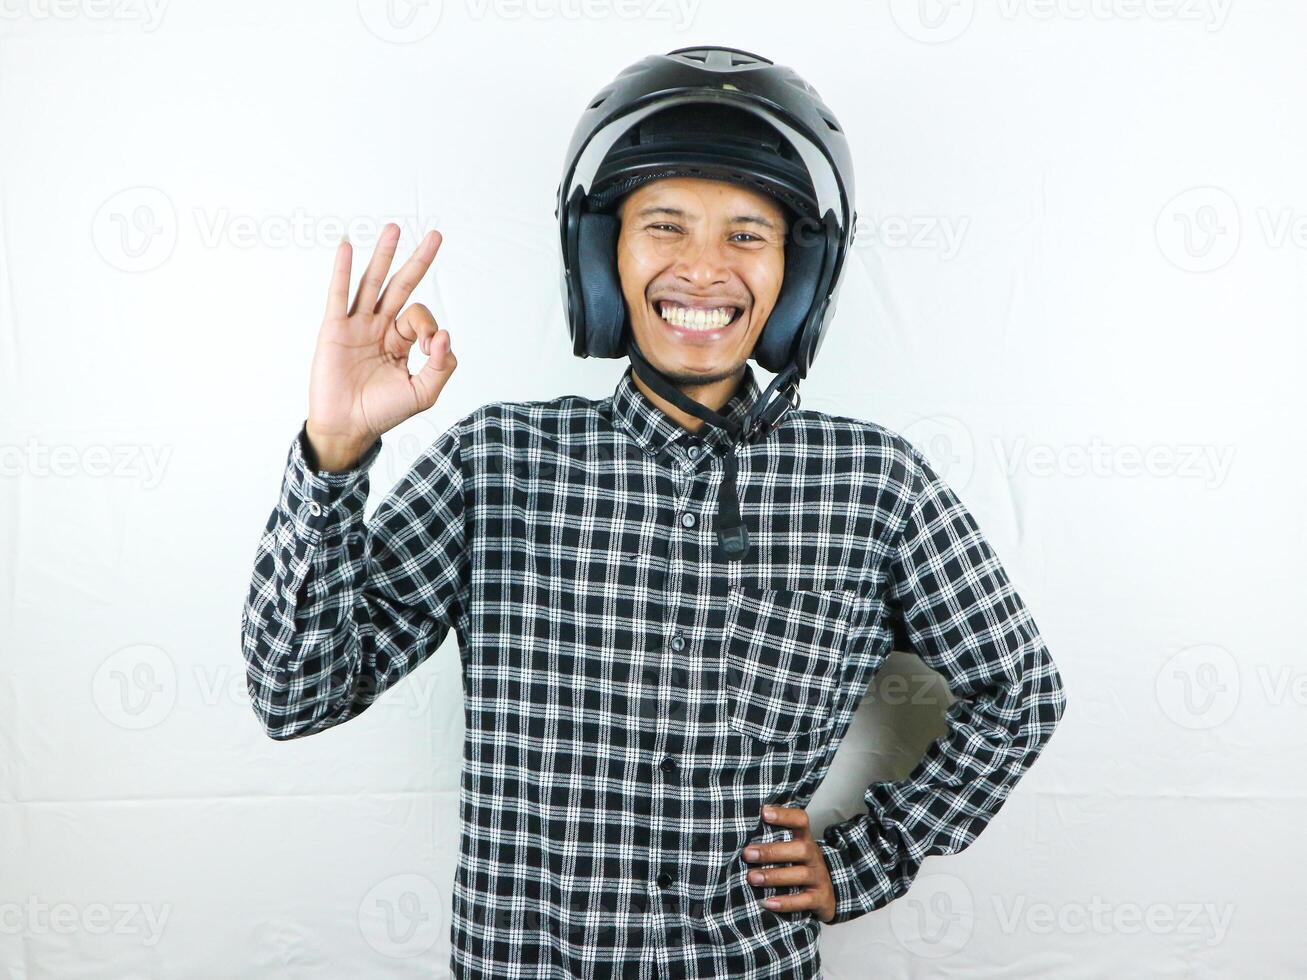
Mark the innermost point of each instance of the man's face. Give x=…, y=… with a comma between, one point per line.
x=690, y=244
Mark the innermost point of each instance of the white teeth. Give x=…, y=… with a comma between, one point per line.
x=689, y=319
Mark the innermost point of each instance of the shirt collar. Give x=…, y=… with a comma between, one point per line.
x=653, y=429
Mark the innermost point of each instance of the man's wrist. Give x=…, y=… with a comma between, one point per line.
x=832, y=859
x=333, y=455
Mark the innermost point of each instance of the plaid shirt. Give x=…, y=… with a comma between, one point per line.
x=631, y=699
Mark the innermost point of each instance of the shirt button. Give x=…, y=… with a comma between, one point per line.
x=664, y=880
x=678, y=642
x=693, y=451
x=315, y=508
x=687, y=520
x=668, y=764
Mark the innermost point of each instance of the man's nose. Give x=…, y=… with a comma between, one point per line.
x=702, y=262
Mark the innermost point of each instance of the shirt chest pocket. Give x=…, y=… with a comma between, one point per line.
x=783, y=651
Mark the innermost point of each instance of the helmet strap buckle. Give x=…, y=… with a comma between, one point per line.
x=771, y=409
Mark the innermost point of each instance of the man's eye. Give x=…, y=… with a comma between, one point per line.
x=667, y=226
x=751, y=237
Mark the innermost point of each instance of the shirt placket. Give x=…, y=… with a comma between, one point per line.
x=680, y=590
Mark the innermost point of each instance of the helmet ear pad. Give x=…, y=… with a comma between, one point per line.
x=601, y=287
x=605, y=306
x=803, y=264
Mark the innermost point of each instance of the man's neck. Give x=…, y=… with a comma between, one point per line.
x=713, y=395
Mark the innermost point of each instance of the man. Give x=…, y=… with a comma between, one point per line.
x=669, y=602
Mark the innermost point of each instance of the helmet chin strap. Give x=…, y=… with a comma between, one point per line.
x=761, y=417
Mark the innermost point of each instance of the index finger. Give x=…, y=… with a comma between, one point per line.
x=795, y=817
x=338, y=291
x=403, y=282
x=375, y=273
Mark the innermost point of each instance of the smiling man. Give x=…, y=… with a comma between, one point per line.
x=701, y=264
x=669, y=601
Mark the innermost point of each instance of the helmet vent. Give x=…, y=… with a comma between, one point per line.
x=719, y=58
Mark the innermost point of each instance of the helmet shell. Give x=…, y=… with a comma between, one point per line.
x=813, y=176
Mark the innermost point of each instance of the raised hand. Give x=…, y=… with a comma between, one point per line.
x=360, y=384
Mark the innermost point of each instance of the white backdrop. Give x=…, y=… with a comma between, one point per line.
x=1078, y=286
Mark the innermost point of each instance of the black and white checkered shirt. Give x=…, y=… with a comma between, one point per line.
x=631, y=699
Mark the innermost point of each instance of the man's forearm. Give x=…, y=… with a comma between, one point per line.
x=339, y=608
x=949, y=599
x=953, y=793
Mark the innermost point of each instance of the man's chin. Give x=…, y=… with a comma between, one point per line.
x=688, y=367
x=685, y=377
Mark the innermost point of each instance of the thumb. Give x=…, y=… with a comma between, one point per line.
x=430, y=380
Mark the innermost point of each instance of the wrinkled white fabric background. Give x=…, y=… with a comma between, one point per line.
x=1078, y=286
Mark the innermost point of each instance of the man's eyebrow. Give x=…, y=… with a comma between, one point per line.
x=739, y=219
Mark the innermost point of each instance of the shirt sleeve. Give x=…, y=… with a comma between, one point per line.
x=340, y=609
x=950, y=601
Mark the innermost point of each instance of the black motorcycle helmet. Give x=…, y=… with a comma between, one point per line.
x=726, y=114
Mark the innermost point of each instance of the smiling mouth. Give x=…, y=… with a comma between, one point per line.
x=697, y=320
